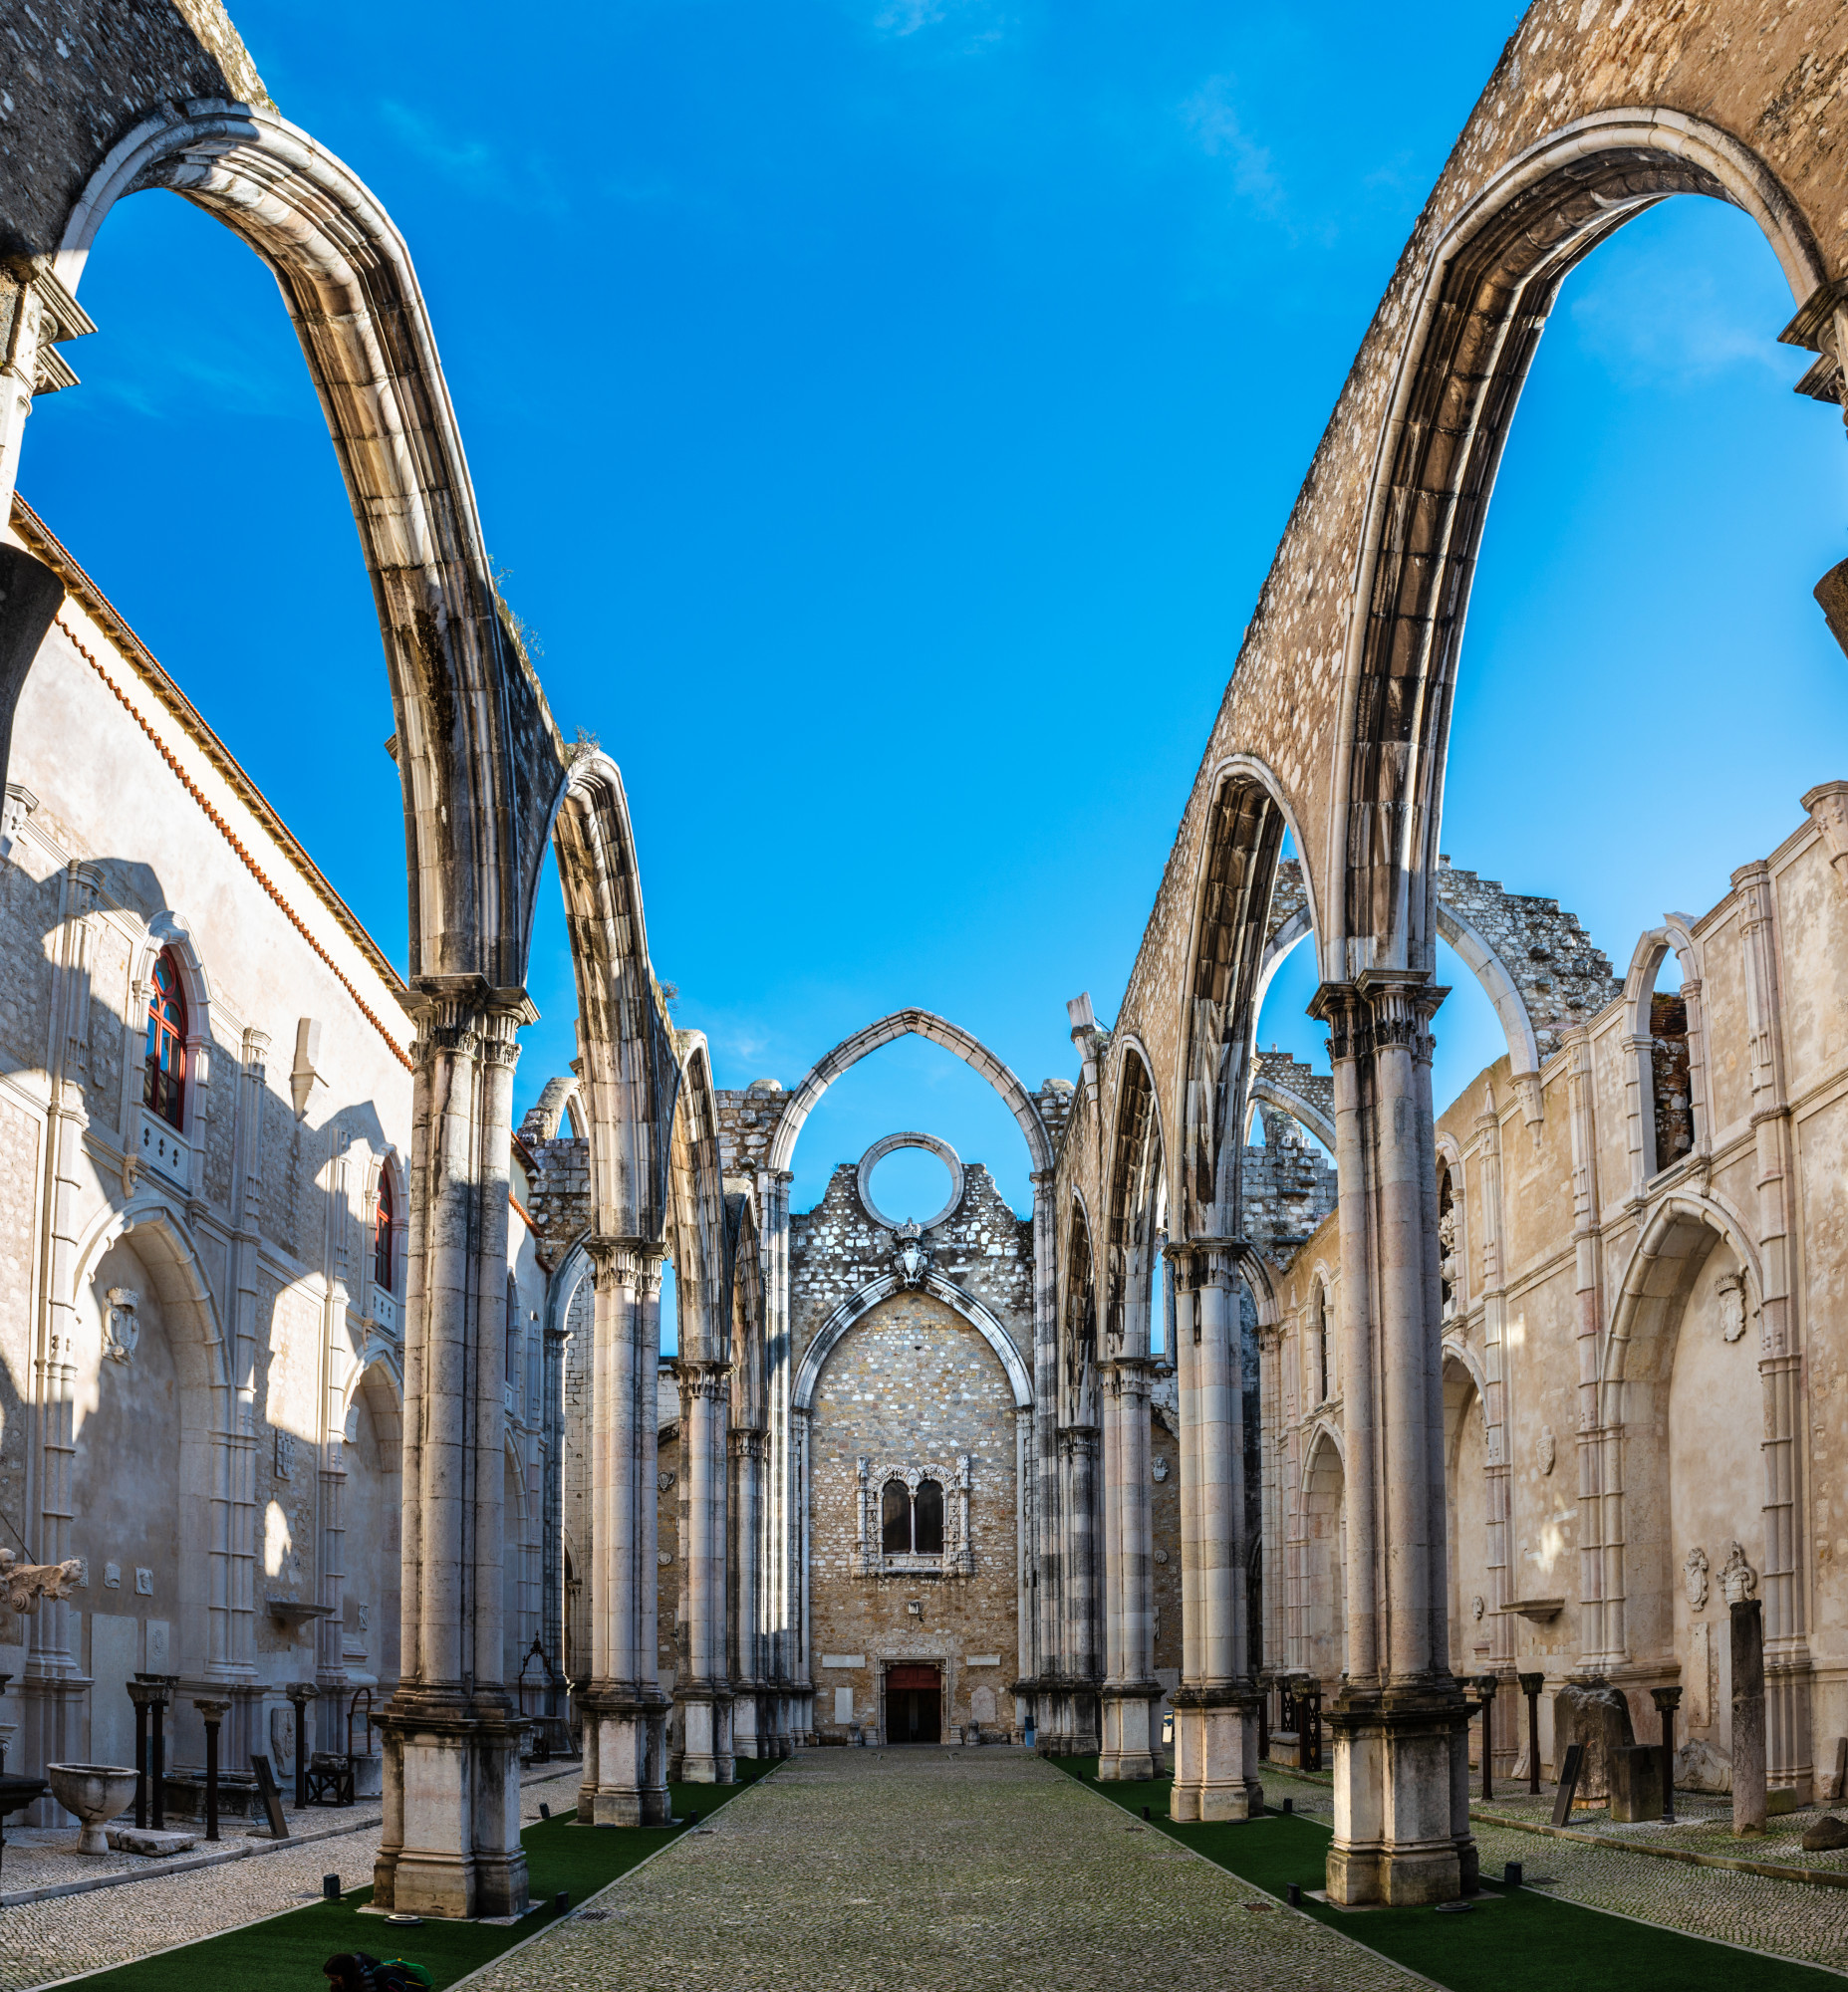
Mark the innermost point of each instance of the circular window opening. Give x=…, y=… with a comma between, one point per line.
x=911, y=1184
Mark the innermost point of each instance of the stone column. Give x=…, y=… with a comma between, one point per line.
x=1400, y=1721
x=1789, y=1756
x=625, y=1710
x=704, y=1695
x=1046, y=1573
x=451, y=1840
x=52, y=1690
x=1497, y=1414
x=780, y=1576
x=746, y=1512
x=1218, y=1778
x=1130, y=1693
x=1078, y=1505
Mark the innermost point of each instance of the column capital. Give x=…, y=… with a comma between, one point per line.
x=627, y=1261
x=1209, y=1260
x=700, y=1378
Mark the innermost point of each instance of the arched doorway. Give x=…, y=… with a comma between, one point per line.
x=914, y=1704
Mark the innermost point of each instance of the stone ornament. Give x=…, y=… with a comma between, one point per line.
x=1161, y=1556
x=28, y=1584
x=1735, y=1308
x=111, y=1576
x=1547, y=1449
x=665, y=1479
x=889, y=1145
x=1477, y=1606
x=1694, y=1576
x=913, y=1256
x=120, y=1329
x=1738, y=1578
x=1159, y=1468
x=664, y=1558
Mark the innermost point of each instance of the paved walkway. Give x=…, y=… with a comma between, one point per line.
x=923, y=1871
x=42, y=1941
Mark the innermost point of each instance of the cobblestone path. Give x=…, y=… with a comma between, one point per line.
x=919, y=1870
x=44, y=1942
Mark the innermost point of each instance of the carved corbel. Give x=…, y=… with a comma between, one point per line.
x=1827, y=803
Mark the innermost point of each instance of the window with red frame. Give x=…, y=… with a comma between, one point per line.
x=164, y=1076
x=381, y=1233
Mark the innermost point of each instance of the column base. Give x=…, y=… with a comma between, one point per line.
x=53, y=1729
x=1129, y=1750
x=746, y=1722
x=1402, y=1795
x=1215, y=1754
x=708, y=1756
x=625, y=1781
x=452, y=1806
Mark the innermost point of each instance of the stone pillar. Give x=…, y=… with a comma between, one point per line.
x=625, y=1712
x=1078, y=1505
x=703, y=1696
x=1400, y=1721
x=1128, y=1745
x=1748, y=1755
x=780, y=1586
x=1499, y=1421
x=746, y=1512
x=52, y=1690
x=451, y=1840
x=1216, y=1776
x=1045, y=1565
x=1789, y=1754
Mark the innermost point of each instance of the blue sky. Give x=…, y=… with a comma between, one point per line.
x=885, y=413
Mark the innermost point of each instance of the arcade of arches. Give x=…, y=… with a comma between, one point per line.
x=314, y=1367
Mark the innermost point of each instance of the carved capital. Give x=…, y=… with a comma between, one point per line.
x=710, y=1381
x=629, y=1265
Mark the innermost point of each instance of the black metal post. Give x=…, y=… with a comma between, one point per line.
x=301, y=1694
x=1667, y=1700
x=157, y=1764
x=139, y=1695
x=1531, y=1684
x=1486, y=1686
x=211, y=1714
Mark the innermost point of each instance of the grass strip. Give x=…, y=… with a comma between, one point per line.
x=1517, y=1940
x=288, y=1950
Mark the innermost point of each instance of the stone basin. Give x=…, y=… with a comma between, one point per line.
x=97, y=1793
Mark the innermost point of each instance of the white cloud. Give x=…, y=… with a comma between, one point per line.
x=1216, y=128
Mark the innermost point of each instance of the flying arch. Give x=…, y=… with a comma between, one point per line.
x=858, y=1305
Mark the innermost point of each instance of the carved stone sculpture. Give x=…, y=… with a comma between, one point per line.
x=121, y=1328
x=1738, y=1578
x=28, y=1584
x=1734, y=1305
x=1694, y=1576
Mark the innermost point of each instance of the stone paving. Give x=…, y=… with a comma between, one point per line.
x=48, y=1941
x=927, y=1870
x=1788, y=1918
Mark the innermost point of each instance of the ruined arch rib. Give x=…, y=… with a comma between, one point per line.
x=901, y=1024
x=1294, y=1105
x=859, y=1304
x=1476, y=311
x=483, y=762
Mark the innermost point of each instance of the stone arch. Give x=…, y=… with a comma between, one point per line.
x=858, y=1305
x=481, y=761
x=1077, y=1275
x=1266, y=1091
x=1247, y=818
x=1481, y=299
x=697, y=1224
x=1465, y=1485
x=909, y=1023
x=1322, y=1638
x=631, y=1072
x=1138, y=1194
x=1623, y=1523
x=371, y=1498
x=559, y=1099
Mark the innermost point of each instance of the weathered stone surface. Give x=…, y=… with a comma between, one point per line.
x=1826, y=1834
x=1595, y=1714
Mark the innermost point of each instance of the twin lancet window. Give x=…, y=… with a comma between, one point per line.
x=912, y=1524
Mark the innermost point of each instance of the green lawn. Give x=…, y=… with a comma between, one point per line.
x=1516, y=1939
x=289, y=1950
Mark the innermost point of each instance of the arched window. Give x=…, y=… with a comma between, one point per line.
x=381, y=1233
x=894, y=1518
x=928, y=1523
x=163, y=1075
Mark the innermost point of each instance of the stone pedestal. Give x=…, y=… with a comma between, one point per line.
x=1215, y=1754
x=451, y=1840
x=1401, y=1781
x=625, y=1758
x=1636, y=1783
x=707, y=1755
x=1130, y=1745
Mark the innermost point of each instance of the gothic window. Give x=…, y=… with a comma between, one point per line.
x=894, y=1508
x=1670, y=1066
x=163, y=1075
x=927, y=1519
x=381, y=1233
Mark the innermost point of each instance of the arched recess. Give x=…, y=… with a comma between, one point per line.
x=697, y=1217
x=1627, y=1525
x=371, y=1429
x=743, y=1307
x=1482, y=304
x=1246, y=825
x=1465, y=1479
x=1322, y=1646
x=901, y=1024
x=1077, y=1369
x=1134, y=1231
x=631, y=1077
x=858, y=1305
x=481, y=761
